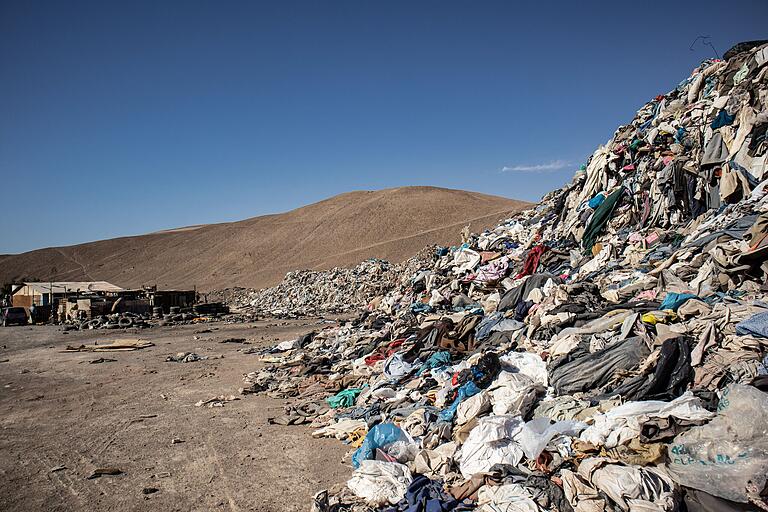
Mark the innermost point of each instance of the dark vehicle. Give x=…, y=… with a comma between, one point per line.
x=11, y=316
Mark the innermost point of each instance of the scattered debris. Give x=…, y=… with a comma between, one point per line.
x=185, y=357
x=100, y=360
x=112, y=346
x=99, y=472
x=117, y=321
x=217, y=401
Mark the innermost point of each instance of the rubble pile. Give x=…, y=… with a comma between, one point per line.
x=602, y=351
x=339, y=290
x=203, y=312
x=116, y=321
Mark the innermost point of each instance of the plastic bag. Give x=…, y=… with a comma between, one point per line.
x=727, y=457
x=491, y=442
x=536, y=434
x=389, y=438
x=380, y=483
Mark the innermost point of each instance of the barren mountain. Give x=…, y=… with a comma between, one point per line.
x=391, y=224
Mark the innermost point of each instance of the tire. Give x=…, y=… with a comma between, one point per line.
x=125, y=322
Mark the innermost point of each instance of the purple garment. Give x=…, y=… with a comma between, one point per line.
x=491, y=272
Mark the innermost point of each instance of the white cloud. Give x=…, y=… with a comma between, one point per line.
x=554, y=165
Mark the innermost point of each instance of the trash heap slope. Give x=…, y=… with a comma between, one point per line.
x=602, y=351
x=391, y=224
x=318, y=292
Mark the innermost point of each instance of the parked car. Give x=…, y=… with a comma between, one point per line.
x=13, y=316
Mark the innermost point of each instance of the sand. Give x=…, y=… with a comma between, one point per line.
x=61, y=410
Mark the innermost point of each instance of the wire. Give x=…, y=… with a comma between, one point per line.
x=707, y=41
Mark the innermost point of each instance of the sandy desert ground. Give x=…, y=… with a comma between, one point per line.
x=63, y=417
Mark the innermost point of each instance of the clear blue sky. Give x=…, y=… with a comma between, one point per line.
x=122, y=118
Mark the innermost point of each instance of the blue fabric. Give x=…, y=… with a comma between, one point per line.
x=596, y=201
x=722, y=119
x=679, y=134
x=378, y=437
x=756, y=325
x=467, y=390
x=424, y=495
x=483, y=329
x=474, y=309
x=436, y=360
x=762, y=368
x=420, y=307
x=675, y=300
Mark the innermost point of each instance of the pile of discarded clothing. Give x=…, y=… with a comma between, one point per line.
x=604, y=351
x=339, y=290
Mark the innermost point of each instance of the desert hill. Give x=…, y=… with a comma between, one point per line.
x=392, y=224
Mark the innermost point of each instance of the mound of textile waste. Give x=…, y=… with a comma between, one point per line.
x=603, y=351
x=316, y=292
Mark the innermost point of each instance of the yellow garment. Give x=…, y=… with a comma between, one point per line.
x=659, y=317
x=356, y=438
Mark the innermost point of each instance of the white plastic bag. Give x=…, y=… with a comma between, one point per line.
x=727, y=457
x=379, y=482
x=491, y=442
x=536, y=434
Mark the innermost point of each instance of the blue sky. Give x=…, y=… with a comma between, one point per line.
x=123, y=118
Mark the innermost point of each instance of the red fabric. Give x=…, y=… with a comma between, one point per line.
x=373, y=359
x=532, y=261
x=392, y=347
x=383, y=352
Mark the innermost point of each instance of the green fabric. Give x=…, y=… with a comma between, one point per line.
x=599, y=219
x=344, y=398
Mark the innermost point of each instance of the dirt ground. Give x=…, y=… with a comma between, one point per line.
x=58, y=409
